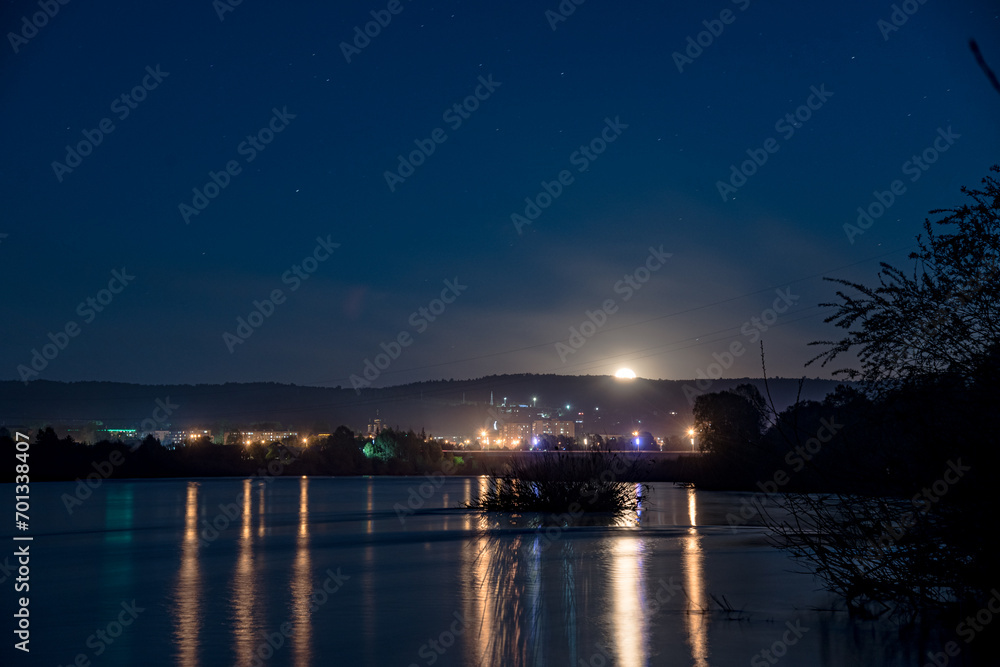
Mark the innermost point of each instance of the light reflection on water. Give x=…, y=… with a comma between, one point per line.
x=245, y=600
x=368, y=610
x=260, y=510
x=531, y=581
x=628, y=607
x=694, y=585
x=302, y=584
x=529, y=592
x=187, y=593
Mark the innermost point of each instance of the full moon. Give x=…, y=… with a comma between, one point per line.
x=625, y=374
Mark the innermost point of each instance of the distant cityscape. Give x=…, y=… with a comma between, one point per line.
x=509, y=426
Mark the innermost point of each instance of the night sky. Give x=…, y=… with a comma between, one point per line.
x=595, y=112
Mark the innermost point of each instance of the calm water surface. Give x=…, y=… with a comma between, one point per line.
x=330, y=571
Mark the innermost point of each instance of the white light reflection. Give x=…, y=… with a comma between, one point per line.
x=244, y=587
x=302, y=583
x=480, y=598
x=187, y=592
x=260, y=509
x=480, y=601
x=628, y=609
x=467, y=495
x=693, y=560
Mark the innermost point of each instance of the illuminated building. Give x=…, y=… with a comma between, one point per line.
x=553, y=427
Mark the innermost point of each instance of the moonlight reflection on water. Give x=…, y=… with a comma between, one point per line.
x=231, y=570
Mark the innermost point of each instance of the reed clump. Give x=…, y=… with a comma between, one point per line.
x=604, y=482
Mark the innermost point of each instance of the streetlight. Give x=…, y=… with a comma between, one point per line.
x=691, y=435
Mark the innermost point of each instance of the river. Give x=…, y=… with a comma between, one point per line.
x=388, y=571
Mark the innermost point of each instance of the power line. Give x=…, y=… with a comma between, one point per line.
x=489, y=355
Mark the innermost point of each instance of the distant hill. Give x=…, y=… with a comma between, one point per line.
x=444, y=407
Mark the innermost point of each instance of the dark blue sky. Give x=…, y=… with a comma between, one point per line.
x=323, y=175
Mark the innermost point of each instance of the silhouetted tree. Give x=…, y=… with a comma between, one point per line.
x=941, y=317
x=343, y=437
x=729, y=423
x=927, y=343
x=46, y=437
